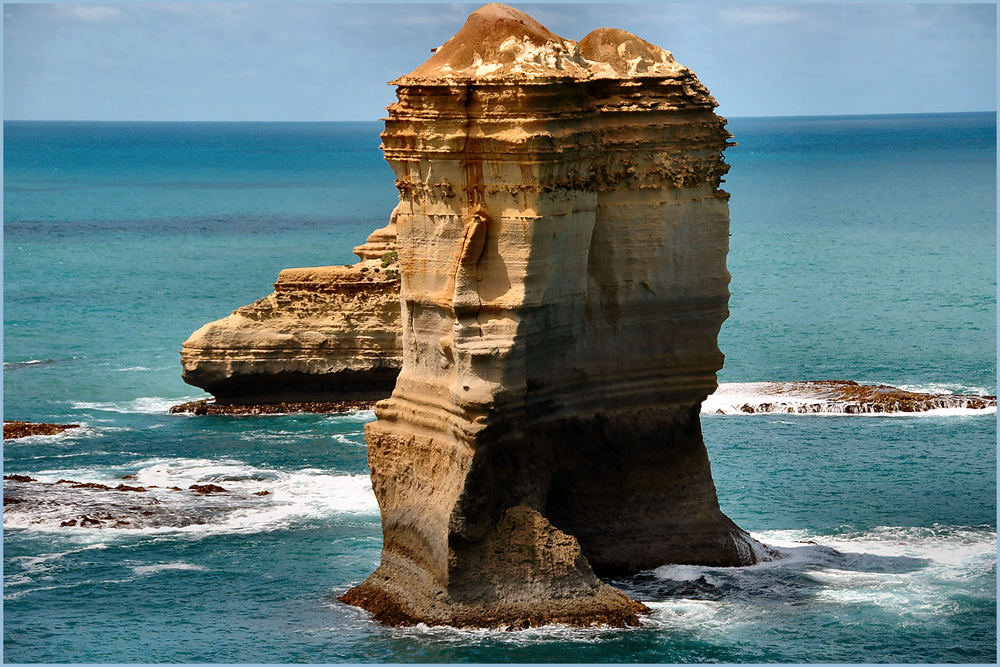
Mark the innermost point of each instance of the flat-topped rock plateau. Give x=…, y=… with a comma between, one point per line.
x=327, y=333
x=562, y=245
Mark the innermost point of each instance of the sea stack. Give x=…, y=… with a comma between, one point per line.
x=326, y=333
x=562, y=243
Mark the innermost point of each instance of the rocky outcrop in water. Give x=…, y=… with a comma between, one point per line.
x=69, y=503
x=833, y=397
x=13, y=429
x=562, y=244
x=328, y=333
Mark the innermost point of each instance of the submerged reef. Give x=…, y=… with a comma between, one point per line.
x=562, y=246
x=14, y=429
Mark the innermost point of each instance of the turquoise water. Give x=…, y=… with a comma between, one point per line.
x=862, y=248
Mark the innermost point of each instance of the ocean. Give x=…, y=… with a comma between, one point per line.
x=862, y=248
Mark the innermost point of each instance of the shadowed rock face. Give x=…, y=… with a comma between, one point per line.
x=328, y=333
x=562, y=242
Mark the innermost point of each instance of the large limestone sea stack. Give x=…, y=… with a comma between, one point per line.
x=562, y=243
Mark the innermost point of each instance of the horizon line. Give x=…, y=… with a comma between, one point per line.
x=379, y=120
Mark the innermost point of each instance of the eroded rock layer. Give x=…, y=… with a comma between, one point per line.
x=562, y=243
x=327, y=333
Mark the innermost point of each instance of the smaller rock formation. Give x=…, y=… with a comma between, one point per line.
x=328, y=333
x=14, y=429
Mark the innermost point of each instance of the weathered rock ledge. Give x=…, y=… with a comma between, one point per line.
x=562, y=243
x=328, y=333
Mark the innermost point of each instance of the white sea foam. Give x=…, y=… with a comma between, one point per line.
x=685, y=573
x=359, y=416
x=131, y=368
x=910, y=572
x=29, y=362
x=28, y=591
x=741, y=398
x=163, y=567
x=947, y=388
x=31, y=565
x=685, y=616
x=292, y=498
x=357, y=439
x=150, y=405
x=505, y=634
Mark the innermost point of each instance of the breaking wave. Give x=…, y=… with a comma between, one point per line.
x=253, y=499
x=149, y=405
x=30, y=362
x=910, y=572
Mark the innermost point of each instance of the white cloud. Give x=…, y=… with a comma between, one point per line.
x=760, y=14
x=88, y=13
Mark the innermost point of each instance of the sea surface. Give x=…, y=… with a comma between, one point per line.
x=862, y=248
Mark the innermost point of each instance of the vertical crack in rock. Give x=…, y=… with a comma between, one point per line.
x=561, y=322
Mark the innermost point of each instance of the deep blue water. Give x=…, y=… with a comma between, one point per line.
x=862, y=248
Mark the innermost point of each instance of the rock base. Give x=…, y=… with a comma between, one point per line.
x=609, y=608
x=525, y=573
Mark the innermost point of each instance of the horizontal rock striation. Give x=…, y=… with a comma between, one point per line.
x=562, y=241
x=328, y=333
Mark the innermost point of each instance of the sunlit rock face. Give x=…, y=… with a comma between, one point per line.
x=326, y=333
x=562, y=241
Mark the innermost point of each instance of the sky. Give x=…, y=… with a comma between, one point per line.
x=239, y=62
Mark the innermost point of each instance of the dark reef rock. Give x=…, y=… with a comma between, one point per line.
x=205, y=489
x=91, y=485
x=13, y=429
